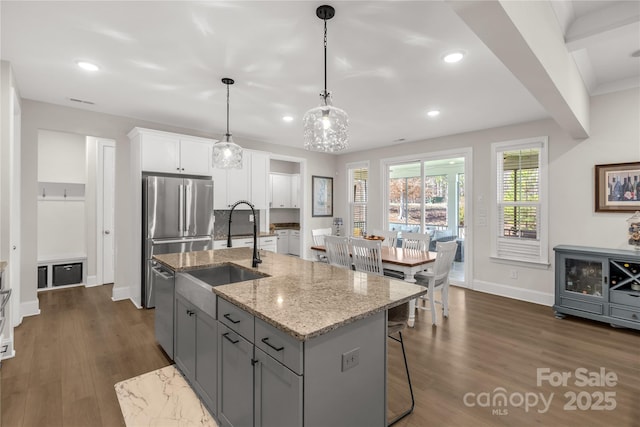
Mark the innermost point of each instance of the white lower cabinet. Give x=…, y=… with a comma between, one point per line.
x=269, y=243
x=283, y=241
x=294, y=242
x=265, y=243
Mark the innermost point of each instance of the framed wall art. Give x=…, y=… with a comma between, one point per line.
x=321, y=196
x=618, y=187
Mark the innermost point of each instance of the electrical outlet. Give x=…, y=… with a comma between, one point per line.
x=514, y=274
x=350, y=359
x=250, y=217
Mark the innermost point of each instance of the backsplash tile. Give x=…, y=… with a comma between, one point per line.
x=239, y=226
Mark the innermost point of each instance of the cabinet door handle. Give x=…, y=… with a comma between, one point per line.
x=226, y=335
x=228, y=317
x=190, y=313
x=266, y=341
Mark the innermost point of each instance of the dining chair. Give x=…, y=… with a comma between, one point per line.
x=338, y=251
x=414, y=240
x=367, y=257
x=437, y=277
x=318, y=236
x=390, y=237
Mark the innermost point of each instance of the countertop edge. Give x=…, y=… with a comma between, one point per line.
x=321, y=331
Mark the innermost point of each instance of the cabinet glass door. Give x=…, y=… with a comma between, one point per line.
x=584, y=276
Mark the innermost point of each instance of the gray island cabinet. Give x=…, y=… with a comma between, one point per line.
x=303, y=346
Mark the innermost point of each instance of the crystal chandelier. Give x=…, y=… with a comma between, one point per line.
x=326, y=126
x=226, y=153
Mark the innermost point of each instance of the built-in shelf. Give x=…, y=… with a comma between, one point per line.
x=70, y=191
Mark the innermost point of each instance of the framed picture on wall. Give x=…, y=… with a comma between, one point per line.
x=618, y=187
x=321, y=196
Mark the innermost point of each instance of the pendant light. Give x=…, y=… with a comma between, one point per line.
x=326, y=126
x=226, y=153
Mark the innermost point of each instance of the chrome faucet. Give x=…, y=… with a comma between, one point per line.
x=256, y=258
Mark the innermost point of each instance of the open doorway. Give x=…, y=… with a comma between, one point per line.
x=430, y=194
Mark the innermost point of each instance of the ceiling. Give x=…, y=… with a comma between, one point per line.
x=163, y=62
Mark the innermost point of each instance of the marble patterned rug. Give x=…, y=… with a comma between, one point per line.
x=161, y=398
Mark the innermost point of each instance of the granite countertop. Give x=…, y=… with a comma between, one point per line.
x=240, y=236
x=284, y=226
x=302, y=298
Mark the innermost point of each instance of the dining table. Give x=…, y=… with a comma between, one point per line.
x=407, y=262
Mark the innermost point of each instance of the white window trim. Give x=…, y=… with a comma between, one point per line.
x=542, y=143
x=348, y=192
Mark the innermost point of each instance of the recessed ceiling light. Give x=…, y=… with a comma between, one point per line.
x=287, y=119
x=453, y=57
x=87, y=66
x=433, y=113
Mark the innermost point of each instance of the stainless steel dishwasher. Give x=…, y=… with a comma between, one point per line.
x=163, y=281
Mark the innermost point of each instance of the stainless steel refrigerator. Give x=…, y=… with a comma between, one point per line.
x=177, y=217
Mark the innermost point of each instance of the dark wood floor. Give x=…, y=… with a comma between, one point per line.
x=70, y=357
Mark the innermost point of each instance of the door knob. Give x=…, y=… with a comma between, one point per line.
x=107, y=232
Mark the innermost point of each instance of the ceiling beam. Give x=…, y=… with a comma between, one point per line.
x=528, y=40
x=604, y=25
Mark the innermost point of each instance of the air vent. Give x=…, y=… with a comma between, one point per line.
x=82, y=101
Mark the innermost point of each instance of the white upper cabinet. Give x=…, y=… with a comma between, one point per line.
x=249, y=183
x=173, y=153
x=295, y=191
x=285, y=190
x=259, y=179
x=280, y=190
x=195, y=156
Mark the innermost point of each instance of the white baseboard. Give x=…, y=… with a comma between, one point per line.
x=513, y=292
x=119, y=293
x=135, y=303
x=91, y=281
x=30, y=308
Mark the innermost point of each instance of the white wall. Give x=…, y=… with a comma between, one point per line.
x=38, y=115
x=61, y=157
x=61, y=223
x=615, y=138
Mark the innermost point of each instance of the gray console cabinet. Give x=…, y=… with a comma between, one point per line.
x=598, y=284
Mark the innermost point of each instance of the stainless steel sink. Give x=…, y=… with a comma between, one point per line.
x=225, y=274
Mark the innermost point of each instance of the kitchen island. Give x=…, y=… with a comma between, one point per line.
x=304, y=345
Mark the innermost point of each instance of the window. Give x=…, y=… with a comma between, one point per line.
x=520, y=212
x=436, y=189
x=358, y=180
x=405, y=192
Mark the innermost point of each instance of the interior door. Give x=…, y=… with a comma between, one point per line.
x=108, y=194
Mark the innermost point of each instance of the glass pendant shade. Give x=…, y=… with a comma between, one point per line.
x=227, y=154
x=326, y=127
